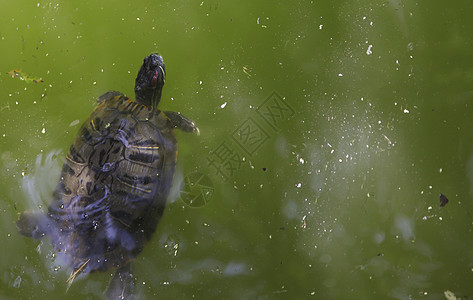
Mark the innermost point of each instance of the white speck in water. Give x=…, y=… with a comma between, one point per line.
x=369, y=52
x=223, y=105
x=200, y=82
x=43, y=131
x=387, y=139
x=406, y=111
x=298, y=185
x=321, y=26
x=440, y=170
x=304, y=224
x=340, y=75
x=301, y=160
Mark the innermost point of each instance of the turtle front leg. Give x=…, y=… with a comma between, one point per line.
x=181, y=122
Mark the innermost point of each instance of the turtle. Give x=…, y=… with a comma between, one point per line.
x=114, y=182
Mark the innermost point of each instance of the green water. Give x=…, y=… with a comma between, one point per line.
x=329, y=129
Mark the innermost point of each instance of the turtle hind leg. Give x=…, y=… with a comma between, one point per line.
x=122, y=284
x=181, y=122
x=32, y=224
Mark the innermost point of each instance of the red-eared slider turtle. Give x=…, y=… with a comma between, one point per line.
x=114, y=182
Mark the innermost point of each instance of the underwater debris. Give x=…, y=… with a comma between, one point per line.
x=23, y=76
x=443, y=200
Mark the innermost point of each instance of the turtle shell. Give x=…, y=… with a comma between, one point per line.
x=113, y=185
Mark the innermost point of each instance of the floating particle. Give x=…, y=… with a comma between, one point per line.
x=443, y=200
x=247, y=71
x=449, y=295
x=74, y=123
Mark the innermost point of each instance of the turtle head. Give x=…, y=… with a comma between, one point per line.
x=150, y=80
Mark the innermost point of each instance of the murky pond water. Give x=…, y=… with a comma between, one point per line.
x=328, y=133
